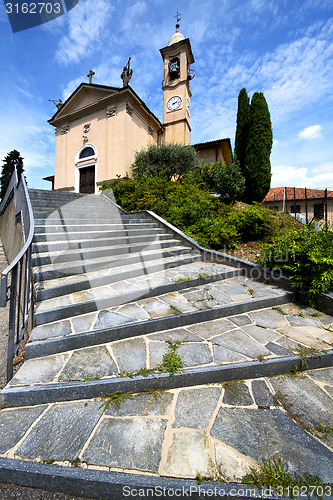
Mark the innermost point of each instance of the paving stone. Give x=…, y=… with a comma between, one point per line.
x=236, y=394
x=195, y=354
x=61, y=432
x=176, y=335
x=303, y=321
x=107, y=319
x=288, y=343
x=232, y=464
x=158, y=309
x=23, y=418
x=238, y=341
x=188, y=454
x=263, y=434
x=307, y=399
x=211, y=328
x=130, y=354
x=156, y=352
x=83, y=323
x=304, y=336
x=39, y=370
x=278, y=349
x=127, y=443
x=195, y=407
x=134, y=311
x=326, y=319
x=50, y=330
x=82, y=296
x=261, y=334
x=144, y=405
x=92, y=361
x=232, y=289
x=327, y=337
x=240, y=320
x=218, y=296
x=323, y=375
x=178, y=301
x=223, y=355
x=268, y=318
x=55, y=303
x=262, y=395
x=197, y=295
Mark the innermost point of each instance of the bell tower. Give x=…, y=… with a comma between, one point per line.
x=177, y=58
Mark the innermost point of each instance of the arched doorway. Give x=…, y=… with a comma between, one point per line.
x=86, y=163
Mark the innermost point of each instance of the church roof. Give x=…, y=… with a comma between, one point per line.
x=105, y=92
x=177, y=37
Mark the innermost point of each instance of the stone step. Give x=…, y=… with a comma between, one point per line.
x=54, y=229
x=117, y=293
x=142, y=316
x=166, y=271
x=36, y=194
x=65, y=236
x=160, y=440
x=55, y=246
x=86, y=219
x=78, y=267
x=85, y=254
x=232, y=348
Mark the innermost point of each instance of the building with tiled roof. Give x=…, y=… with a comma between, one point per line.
x=310, y=203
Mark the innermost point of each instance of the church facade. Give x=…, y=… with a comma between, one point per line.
x=99, y=128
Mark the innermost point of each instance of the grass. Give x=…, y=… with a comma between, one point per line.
x=91, y=377
x=307, y=352
x=234, y=387
x=261, y=358
x=276, y=474
x=114, y=400
x=172, y=361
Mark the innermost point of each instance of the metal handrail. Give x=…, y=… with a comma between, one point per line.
x=19, y=270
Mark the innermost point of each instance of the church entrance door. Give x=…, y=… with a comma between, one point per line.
x=87, y=180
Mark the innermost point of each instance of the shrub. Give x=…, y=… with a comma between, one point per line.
x=253, y=222
x=228, y=181
x=171, y=161
x=307, y=256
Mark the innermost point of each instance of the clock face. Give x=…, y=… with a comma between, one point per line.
x=174, y=103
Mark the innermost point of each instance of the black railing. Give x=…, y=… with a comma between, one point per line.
x=16, y=282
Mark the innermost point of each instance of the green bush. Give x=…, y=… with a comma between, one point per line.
x=307, y=256
x=171, y=161
x=228, y=181
x=253, y=222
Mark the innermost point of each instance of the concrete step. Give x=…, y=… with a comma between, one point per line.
x=69, y=236
x=232, y=348
x=55, y=246
x=142, y=315
x=84, y=254
x=86, y=219
x=55, y=270
x=87, y=227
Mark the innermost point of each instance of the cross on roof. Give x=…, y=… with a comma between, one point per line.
x=178, y=16
x=90, y=75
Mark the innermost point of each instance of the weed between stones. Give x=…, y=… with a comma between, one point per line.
x=234, y=387
x=307, y=352
x=281, y=399
x=116, y=398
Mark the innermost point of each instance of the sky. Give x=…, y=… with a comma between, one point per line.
x=283, y=48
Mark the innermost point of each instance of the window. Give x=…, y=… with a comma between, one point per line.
x=318, y=211
x=295, y=209
x=174, y=68
x=87, y=152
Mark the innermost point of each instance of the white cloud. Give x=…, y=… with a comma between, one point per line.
x=320, y=177
x=87, y=25
x=312, y=132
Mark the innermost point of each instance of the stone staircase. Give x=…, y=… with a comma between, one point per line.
x=116, y=292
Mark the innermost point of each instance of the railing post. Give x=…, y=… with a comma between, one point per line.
x=12, y=323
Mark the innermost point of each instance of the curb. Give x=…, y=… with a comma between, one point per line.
x=68, y=391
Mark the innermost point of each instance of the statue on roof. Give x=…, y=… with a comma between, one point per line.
x=127, y=73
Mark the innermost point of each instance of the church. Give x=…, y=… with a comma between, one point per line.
x=100, y=128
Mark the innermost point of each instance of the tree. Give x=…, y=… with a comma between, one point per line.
x=242, y=128
x=257, y=166
x=171, y=161
x=229, y=182
x=12, y=159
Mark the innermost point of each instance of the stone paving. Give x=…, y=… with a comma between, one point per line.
x=258, y=335
x=226, y=427
x=185, y=432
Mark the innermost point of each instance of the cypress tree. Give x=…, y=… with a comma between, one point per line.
x=242, y=128
x=12, y=159
x=258, y=149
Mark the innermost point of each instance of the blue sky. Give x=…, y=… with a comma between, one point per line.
x=283, y=48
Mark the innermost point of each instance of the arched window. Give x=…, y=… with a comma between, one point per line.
x=85, y=153
x=174, y=68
